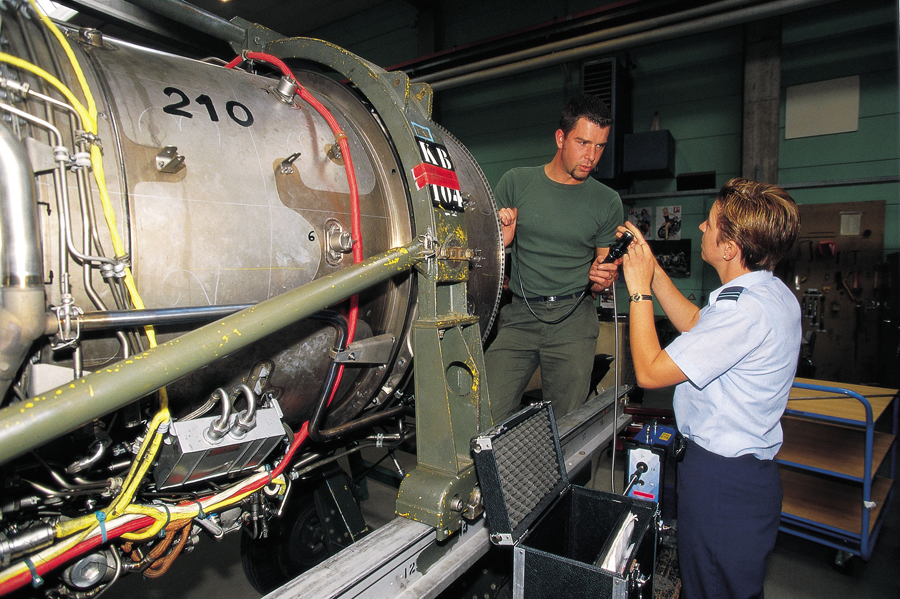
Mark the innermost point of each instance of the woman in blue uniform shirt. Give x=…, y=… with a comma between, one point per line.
x=733, y=365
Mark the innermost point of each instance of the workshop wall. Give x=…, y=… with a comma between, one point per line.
x=832, y=42
x=694, y=85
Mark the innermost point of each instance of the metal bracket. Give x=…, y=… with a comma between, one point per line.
x=287, y=165
x=337, y=242
x=168, y=160
x=68, y=314
x=374, y=350
x=455, y=254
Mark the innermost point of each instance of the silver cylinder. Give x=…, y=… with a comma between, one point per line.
x=226, y=195
x=21, y=270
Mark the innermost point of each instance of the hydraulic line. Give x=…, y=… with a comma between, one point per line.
x=133, y=524
x=59, y=185
x=96, y=158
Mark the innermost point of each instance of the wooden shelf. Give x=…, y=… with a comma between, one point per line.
x=831, y=502
x=831, y=447
x=838, y=405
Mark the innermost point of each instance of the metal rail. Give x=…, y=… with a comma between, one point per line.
x=404, y=560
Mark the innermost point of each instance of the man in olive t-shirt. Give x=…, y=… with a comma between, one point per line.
x=559, y=221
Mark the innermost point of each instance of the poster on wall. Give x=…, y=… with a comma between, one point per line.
x=640, y=217
x=674, y=257
x=668, y=223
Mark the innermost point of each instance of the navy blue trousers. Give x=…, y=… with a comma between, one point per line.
x=728, y=515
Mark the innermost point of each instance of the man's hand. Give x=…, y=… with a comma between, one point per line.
x=603, y=276
x=508, y=218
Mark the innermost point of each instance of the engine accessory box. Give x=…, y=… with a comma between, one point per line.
x=597, y=544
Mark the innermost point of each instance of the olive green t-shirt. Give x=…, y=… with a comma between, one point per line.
x=557, y=229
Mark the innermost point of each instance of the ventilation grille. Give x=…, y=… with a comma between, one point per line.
x=598, y=79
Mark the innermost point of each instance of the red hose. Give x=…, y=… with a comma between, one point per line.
x=20, y=580
x=355, y=222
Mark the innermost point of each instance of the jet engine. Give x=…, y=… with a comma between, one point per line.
x=215, y=278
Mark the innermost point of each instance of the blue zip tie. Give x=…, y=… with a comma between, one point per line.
x=36, y=579
x=101, y=518
x=201, y=515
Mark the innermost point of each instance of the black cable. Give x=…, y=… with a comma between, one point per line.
x=525, y=299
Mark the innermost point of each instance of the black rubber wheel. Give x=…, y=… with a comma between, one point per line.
x=296, y=543
x=843, y=563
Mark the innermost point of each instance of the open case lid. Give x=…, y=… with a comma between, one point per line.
x=521, y=471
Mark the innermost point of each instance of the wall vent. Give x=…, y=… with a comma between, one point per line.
x=604, y=78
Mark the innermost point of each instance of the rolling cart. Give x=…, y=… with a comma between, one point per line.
x=838, y=464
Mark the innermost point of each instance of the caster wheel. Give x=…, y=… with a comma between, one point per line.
x=843, y=563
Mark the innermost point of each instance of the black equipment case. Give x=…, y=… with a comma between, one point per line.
x=560, y=533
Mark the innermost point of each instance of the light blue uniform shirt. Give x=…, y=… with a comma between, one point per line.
x=740, y=360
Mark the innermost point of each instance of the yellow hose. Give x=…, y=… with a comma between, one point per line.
x=97, y=166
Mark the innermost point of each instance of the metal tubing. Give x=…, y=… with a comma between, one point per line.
x=125, y=319
x=702, y=25
x=22, y=301
x=582, y=40
x=24, y=427
x=195, y=17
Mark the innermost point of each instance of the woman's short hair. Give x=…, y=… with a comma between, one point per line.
x=762, y=219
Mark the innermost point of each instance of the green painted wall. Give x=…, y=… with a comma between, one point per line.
x=695, y=84
x=840, y=41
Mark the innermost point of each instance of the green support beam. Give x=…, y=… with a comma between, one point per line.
x=27, y=425
x=452, y=403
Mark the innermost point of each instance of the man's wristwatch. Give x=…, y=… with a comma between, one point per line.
x=639, y=297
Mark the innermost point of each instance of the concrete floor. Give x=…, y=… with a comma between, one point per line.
x=799, y=569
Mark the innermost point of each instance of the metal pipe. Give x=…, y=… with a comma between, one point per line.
x=123, y=319
x=635, y=197
x=246, y=420
x=703, y=25
x=581, y=40
x=22, y=301
x=23, y=428
x=218, y=428
x=195, y=17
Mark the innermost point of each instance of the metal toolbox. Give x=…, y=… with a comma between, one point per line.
x=595, y=544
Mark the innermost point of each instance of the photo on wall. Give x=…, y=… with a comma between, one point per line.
x=674, y=257
x=668, y=223
x=641, y=217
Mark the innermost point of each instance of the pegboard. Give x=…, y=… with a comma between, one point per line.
x=834, y=271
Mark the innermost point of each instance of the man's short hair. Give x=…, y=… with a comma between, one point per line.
x=762, y=219
x=590, y=107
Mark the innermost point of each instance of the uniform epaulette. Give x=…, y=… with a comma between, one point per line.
x=730, y=293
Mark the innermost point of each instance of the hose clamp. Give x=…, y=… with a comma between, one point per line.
x=67, y=315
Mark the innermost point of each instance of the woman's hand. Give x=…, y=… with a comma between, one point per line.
x=638, y=263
